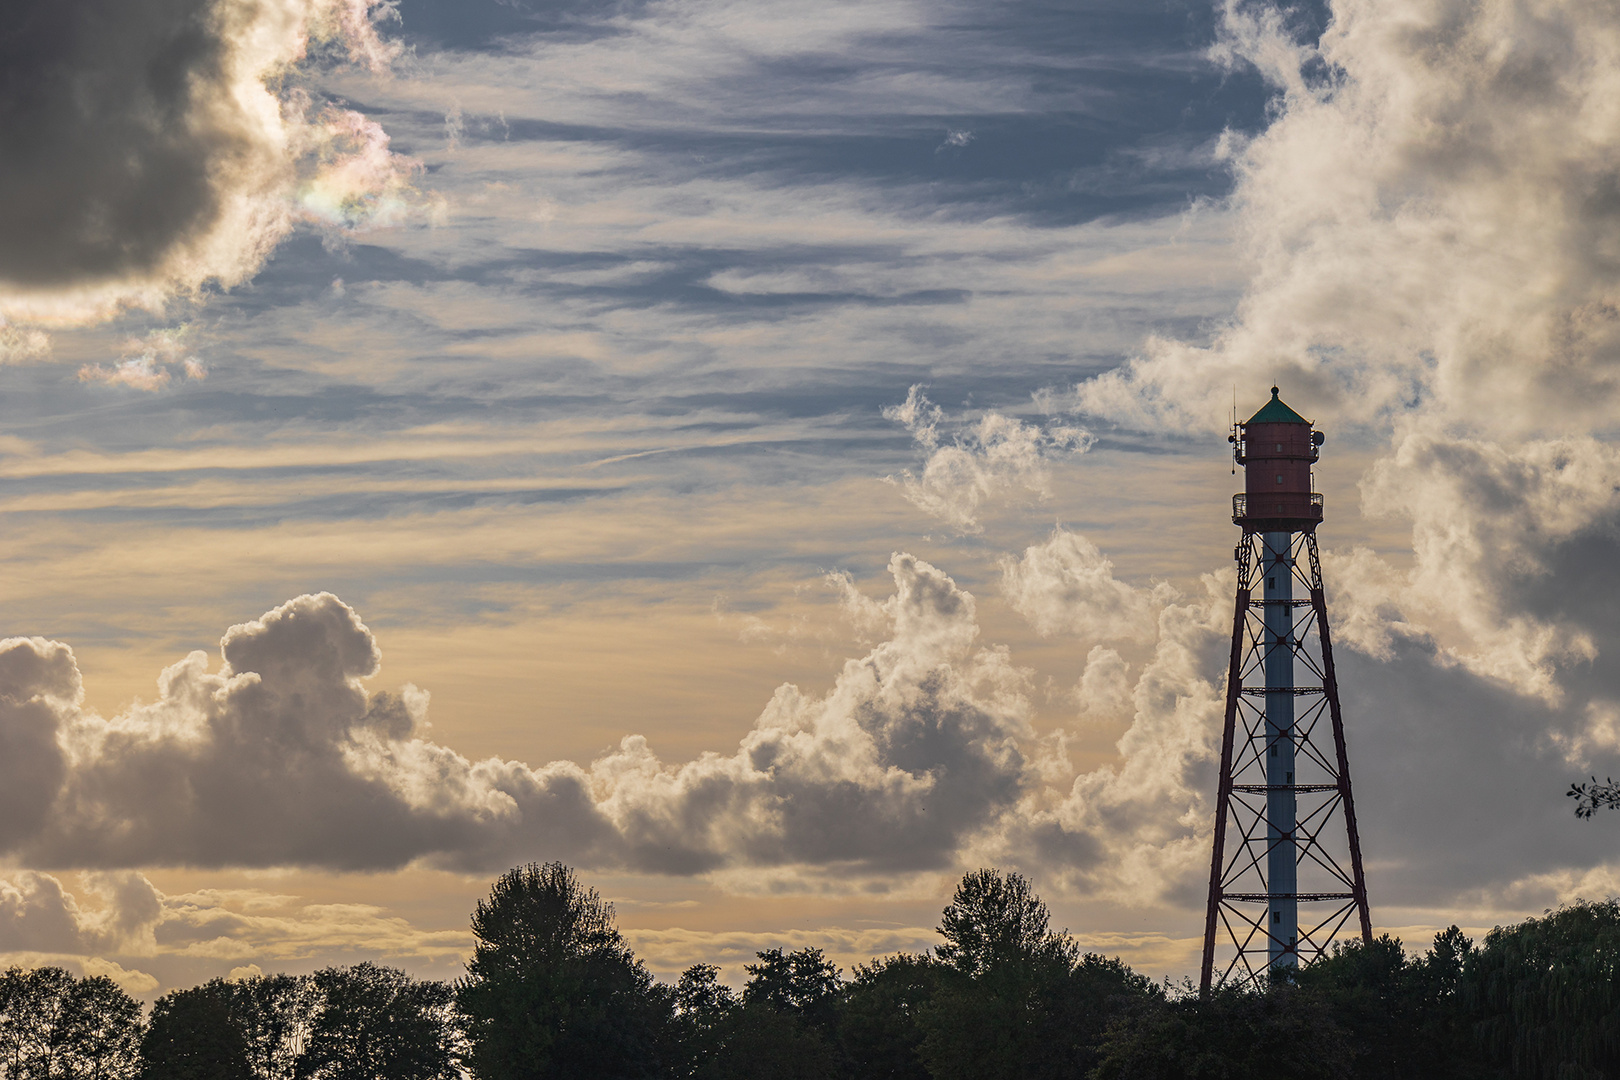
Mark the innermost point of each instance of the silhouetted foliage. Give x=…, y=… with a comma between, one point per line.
x=553, y=991
x=100, y=1031
x=1405, y=1016
x=356, y=1023
x=996, y=920
x=785, y=1023
x=1592, y=796
x=1016, y=1000
x=879, y=1026
x=765, y=1043
x=54, y=1025
x=378, y=1022
x=803, y=984
x=1233, y=1034
x=1546, y=993
x=275, y=1014
x=703, y=1006
x=193, y=1035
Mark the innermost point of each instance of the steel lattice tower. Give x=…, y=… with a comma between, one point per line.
x=1285, y=821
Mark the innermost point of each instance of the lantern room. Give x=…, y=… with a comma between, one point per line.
x=1276, y=448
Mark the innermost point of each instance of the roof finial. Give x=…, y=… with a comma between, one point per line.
x=1273, y=391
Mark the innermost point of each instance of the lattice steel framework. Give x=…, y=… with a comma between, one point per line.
x=1279, y=895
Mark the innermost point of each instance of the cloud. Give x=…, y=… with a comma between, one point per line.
x=1433, y=229
x=38, y=915
x=980, y=462
x=128, y=921
x=1431, y=219
x=1067, y=586
x=155, y=147
x=1104, y=690
x=919, y=759
x=22, y=345
x=149, y=362
x=283, y=757
x=243, y=924
x=41, y=922
x=1488, y=524
x=1136, y=831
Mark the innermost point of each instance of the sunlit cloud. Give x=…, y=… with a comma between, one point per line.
x=980, y=461
x=138, y=217
x=150, y=362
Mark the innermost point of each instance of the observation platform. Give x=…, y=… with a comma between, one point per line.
x=1284, y=511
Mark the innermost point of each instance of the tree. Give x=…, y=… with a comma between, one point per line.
x=878, y=1027
x=30, y=1018
x=1015, y=1000
x=703, y=1006
x=996, y=919
x=54, y=1025
x=552, y=991
x=194, y=1036
x=1545, y=994
x=1278, y=1033
x=804, y=984
x=275, y=1014
x=1403, y=1015
x=376, y=1022
x=783, y=1026
x=99, y=1031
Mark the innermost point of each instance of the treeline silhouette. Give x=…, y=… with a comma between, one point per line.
x=553, y=992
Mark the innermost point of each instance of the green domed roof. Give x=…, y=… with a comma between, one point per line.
x=1275, y=412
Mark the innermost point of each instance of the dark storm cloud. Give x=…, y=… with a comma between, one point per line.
x=152, y=146
x=109, y=151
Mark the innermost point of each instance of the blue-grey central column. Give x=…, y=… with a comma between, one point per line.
x=1282, y=868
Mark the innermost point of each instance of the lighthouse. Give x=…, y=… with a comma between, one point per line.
x=1285, y=873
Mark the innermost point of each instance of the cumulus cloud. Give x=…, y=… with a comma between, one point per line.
x=920, y=758
x=1136, y=831
x=1067, y=585
x=1433, y=232
x=1430, y=217
x=155, y=147
x=1488, y=587
x=1104, y=690
x=41, y=919
x=283, y=757
x=980, y=461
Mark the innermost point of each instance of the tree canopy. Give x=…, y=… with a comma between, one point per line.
x=553, y=991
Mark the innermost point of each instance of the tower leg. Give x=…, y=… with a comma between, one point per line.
x=1282, y=856
x=1330, y=685
x=1234, y=690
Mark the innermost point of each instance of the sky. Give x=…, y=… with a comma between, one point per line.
x=772, y=457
